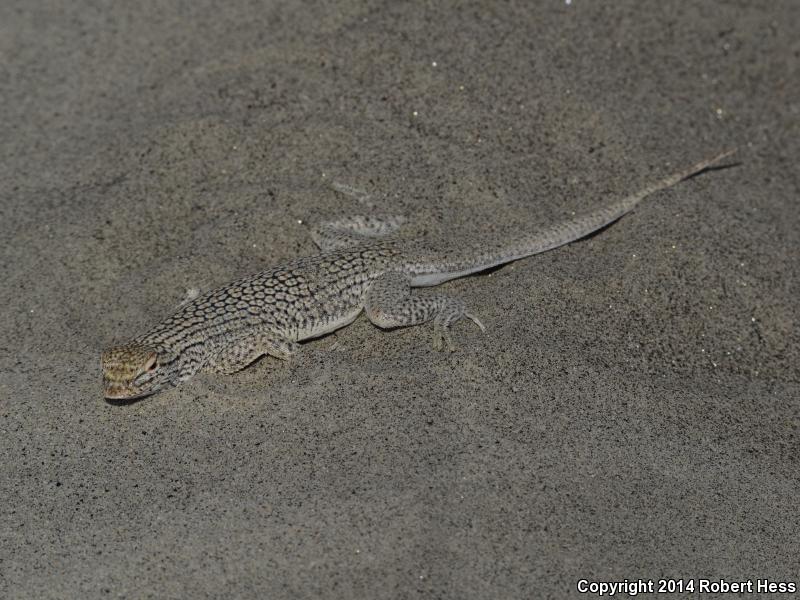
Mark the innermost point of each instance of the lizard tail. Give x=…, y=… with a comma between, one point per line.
x=626, y=204
x=575, y=229
x=489, y=255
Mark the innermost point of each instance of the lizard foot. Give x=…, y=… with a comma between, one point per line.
x=453, y=312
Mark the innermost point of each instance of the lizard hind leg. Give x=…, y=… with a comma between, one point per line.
x=390, y=304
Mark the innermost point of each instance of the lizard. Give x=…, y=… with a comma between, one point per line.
x=364, y=266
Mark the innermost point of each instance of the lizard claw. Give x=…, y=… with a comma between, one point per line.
x=475, y=320
x=442, y=337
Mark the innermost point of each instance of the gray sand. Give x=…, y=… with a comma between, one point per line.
x=632, y=411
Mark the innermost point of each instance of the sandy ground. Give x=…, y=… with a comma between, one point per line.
x=632, y=411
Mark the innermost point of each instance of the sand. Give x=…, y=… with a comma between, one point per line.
x=631, y=412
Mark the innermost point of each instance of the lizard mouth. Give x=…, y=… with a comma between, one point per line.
x=116, y=391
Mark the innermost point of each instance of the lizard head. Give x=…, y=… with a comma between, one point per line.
x=132, y=371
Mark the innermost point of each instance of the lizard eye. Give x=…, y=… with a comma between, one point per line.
x=151, y=364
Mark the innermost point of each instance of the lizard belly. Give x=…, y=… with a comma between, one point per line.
x=430, y=279
x=324, y=327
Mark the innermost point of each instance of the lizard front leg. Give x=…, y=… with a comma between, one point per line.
x=389, y=304
x=248, y=348
x=357, y=229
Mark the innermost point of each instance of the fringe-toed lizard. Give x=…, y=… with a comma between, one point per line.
x=364, y=266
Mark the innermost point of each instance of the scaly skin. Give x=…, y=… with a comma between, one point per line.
x=364, y=267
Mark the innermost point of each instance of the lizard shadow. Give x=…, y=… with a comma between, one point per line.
x=125, y=401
